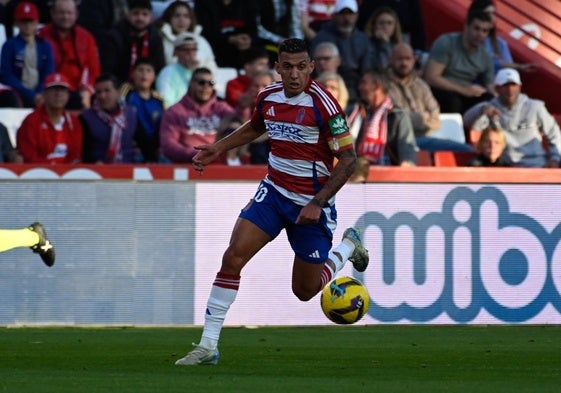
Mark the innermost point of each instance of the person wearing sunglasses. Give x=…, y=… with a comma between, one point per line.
x=194, y=120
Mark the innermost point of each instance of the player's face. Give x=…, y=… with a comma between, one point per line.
x=295, y=70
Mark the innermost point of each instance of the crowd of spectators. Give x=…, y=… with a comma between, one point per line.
x=107, y=82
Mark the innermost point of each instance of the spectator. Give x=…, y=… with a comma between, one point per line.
x=109, y=125
x=174, y=78
x=194, y=120
x=239, y=155
x=149, y=105
x=27, y=59
x=259, y=148
x=334, y=83
x=313, y=15
x=179, y=18
x=75, y=52
x=459, y=69
x=410, y=17
x=326, y=58
x=384, y=32
x=99, y=16
x=51, y=134
x=8, y=154
x=352, y=43
x=490, y=148
x=385, y=133
x=409, y=92
x=255, y=61
x=7, y=8
x=133, y=37
x=525, y=122
x=495, y=45
x=230, y=26
x=277, y=20
x=246, y=100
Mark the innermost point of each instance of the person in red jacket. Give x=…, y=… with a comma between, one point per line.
x=51, y=134
x=75, y=52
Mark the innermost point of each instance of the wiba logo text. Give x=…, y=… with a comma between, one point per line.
x=483, y=256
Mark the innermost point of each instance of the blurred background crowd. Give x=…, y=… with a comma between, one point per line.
x=139, y=81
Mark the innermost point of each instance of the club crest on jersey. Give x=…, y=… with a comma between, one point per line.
x=338, y=125
x=300, y=116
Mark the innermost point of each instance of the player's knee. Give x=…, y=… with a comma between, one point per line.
x=304, y=292
x=231, y=262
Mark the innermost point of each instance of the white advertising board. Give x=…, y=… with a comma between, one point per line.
x=440, y=253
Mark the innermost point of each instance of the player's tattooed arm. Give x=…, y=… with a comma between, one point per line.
x=344, y=168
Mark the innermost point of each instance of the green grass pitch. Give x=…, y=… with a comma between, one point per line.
x=342, y=359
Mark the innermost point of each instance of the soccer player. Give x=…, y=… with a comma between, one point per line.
x=307, y=130
x=34, y=237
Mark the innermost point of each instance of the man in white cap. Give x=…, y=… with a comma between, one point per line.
x=172, y=82
x=353, y=44
x=525, y=121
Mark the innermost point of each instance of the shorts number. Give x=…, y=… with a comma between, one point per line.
x=261, y=194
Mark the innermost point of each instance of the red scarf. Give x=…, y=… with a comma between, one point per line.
x=144, y=50
x=375, y=137
x=117, y=122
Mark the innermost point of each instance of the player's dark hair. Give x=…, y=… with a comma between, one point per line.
x=294, y=45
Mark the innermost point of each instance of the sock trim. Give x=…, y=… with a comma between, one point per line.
x=228, y=281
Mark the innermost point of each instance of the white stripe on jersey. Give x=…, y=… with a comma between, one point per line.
x=302, y=99
x=303, y=200
x=291, y=132
x=325, y=99
x=297, y=167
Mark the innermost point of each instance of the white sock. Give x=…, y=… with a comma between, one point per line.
x=222, y=295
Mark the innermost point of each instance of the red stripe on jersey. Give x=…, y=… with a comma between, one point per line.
x=228, y=281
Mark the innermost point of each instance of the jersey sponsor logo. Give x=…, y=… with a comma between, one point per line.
x=285, y=131
x=338, y=125
x=271, y=111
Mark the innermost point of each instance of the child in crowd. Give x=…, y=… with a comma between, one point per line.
x=490, y=148
x=26, y=58
x=149, y=104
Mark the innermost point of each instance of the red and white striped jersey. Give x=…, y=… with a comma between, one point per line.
x=305, y=133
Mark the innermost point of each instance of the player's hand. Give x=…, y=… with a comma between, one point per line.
x=206, y=154
x=309, y=214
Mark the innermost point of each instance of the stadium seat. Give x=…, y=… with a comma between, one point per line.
x=424, y=158
x=452, y=159
x=222, y=76
x=451, y=127
x=474, y=136
x=12, y=118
